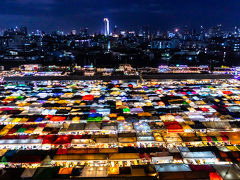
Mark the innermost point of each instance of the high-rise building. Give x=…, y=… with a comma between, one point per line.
x=202, y=33
x=216, y=31
x=115, y=29
x=186, y=32
x=74, y=32
x=83, y=32
x=38, y=33
x=236, y=30
x=59, y=33
x=23, y=29
x=106, y=27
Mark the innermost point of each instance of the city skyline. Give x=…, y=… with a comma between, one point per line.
x=66, y=15
x=108, y=29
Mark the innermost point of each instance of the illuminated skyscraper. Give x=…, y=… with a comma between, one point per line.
x=106, y=27
x=74, y=32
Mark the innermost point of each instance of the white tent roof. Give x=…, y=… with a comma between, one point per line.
x=94, y=172
x=81, y=141
x=172, y=168
x=20, y=141
x=145, y=138
x=106, y=140
x=46, y=161
x=234, y=108
x=92, y=126
x=170, y=158
x=28, y=172
x=109, y=128
x=198, y=155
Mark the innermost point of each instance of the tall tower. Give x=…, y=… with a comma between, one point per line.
x=106, y=26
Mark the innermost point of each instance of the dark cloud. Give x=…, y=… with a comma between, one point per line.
x=159, y=14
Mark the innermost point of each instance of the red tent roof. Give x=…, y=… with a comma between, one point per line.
x=47, y=139
x=57, y=118
x=63, y=139
x=61, y=151
x=88, y=98
x=214, y=176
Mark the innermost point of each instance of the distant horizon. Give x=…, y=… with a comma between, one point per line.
x=50, y=15
x=32, y=29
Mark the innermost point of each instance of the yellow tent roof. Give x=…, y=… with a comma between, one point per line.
x=113, y=170
x=3, y=151
x=120, y=118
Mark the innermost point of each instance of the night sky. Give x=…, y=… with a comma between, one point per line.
x=65, y=15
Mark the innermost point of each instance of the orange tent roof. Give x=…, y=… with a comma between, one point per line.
x=65, y=171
